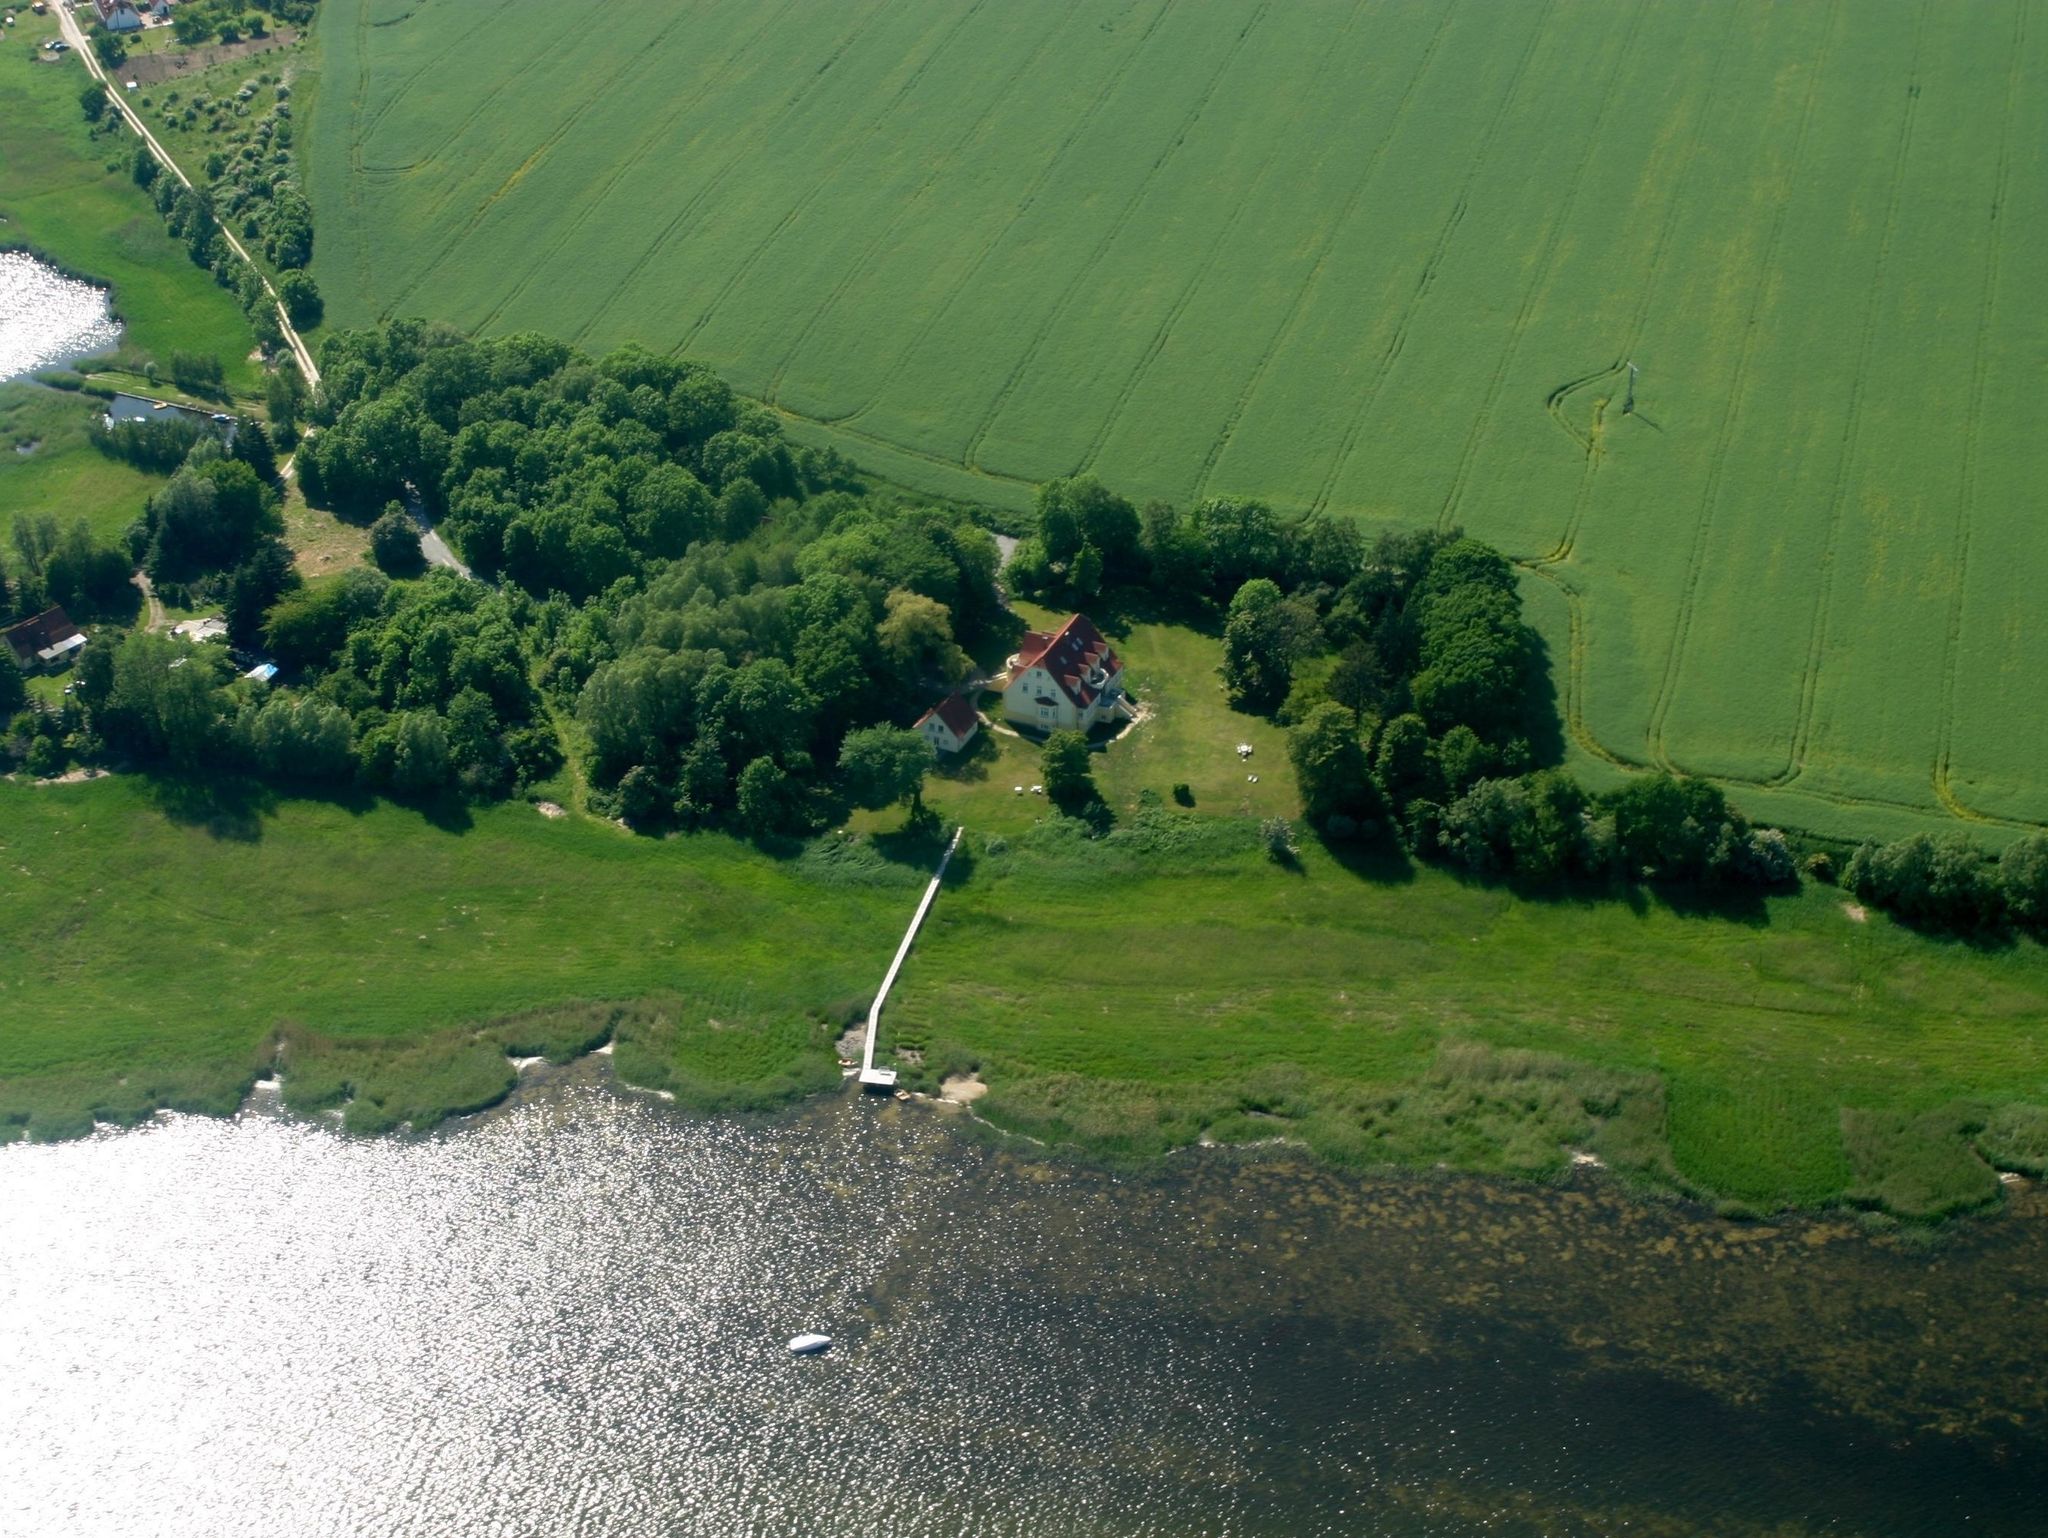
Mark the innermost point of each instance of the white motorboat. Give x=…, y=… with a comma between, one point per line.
x=809, y=1345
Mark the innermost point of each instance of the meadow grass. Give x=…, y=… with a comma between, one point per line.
x=160, y=938
x=1385, y=259
x=1161, y=985
x=69, y=195
x=49, y=468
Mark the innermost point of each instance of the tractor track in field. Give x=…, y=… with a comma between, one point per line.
x=971, y=456
x=684, y=105
x=796, y=210
x=1298, y=305
x=1731, y=412
x=1852, y=425
x=1966, y=487
x=1224, y=232
x=923, y=456
x=430, y=68
x=449, y=139
x=1036, y=188
x=864, y=263
x=1546, y=259
x=705, y=193
x=1575, y=669
x=1398, y=342
x=546, y=147
x=1583, y=737
x=1639, y=318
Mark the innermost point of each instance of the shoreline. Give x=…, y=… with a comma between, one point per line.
x=537, y=1078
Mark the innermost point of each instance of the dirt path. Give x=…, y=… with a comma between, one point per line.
x=82, y=46
x=157, y=618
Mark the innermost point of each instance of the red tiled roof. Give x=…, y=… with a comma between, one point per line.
x=1069, y=654
x=36, y=635
x=960, y=717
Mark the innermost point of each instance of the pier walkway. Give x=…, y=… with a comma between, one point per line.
x=885, y=1078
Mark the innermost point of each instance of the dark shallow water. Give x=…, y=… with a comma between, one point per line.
x=46, y=318
x=567, y=1317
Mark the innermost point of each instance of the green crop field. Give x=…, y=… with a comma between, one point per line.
x=1384, y=257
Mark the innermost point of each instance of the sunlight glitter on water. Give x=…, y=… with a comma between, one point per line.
x=47, y=318
x=570, y=1317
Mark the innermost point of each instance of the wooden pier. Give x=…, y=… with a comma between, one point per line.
x=872, y=1077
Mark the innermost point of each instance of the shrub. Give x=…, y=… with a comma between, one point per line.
x=1277, y=834
x=2023, y=880
x=1821, y=866
x=302, y=301
x=395, y=544
x=1944, y=882
x=1064, y=766
x=1182, y=796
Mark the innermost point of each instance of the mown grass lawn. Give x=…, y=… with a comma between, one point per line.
x=70, y=196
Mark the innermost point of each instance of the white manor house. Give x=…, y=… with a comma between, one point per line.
x=1068, y=680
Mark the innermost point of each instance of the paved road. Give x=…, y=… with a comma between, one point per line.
x=432, y=545
x=82, y=46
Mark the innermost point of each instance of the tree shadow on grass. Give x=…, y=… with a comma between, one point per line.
x=1986, y=939
x=1744, y=905
x=1117, y=610
x=920, y=843
x=1378, y=860
x=1542, y=721
x=971, y=765
x=230, y=808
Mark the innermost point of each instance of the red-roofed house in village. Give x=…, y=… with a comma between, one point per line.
x=951, y=724
x=1070, y=679
x=49, y=640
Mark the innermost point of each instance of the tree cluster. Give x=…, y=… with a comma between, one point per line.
x=66, y=567
x=1950, y=883
x=737, y=632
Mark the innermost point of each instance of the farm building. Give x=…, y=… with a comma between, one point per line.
x=951, y=724
x=46, y=641
x=1070, y=679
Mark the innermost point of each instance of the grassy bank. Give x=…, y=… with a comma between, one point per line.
x=156, y=943
x=68, y=194
x=1172, y=983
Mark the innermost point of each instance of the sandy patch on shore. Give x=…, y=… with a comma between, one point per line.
x=963, y=1088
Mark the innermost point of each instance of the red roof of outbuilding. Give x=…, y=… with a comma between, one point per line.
x=960, y=717
x=1070, y=653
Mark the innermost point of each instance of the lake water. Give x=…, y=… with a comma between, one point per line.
x=568, y=1317
x=46, y=318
